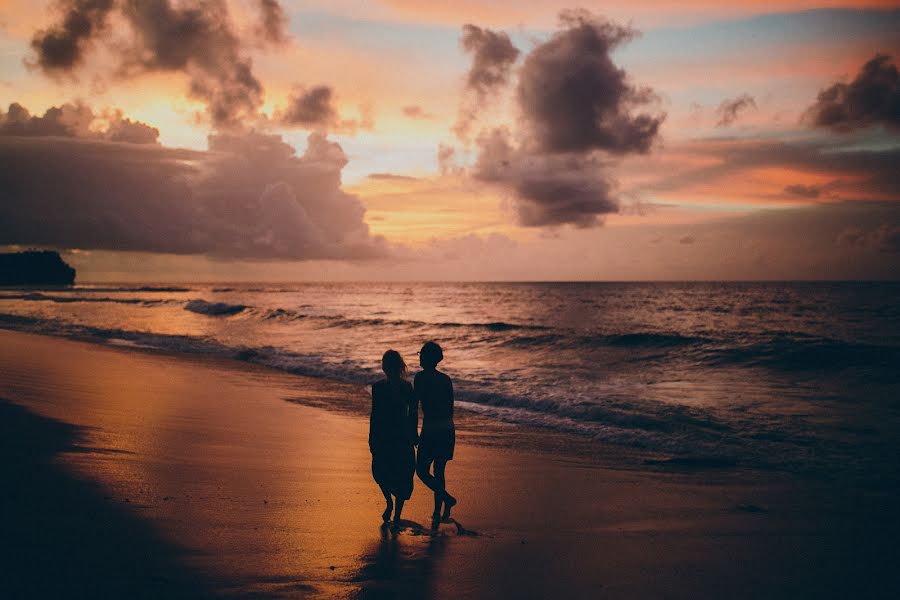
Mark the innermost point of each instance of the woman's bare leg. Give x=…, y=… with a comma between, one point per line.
x=398, y=508
x=386, y=515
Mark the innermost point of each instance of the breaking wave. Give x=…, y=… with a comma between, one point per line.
x=213, y=309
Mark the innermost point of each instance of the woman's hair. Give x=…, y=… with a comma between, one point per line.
x=431, y=353
x=392, y=364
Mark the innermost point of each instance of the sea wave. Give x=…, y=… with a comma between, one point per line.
x=342, y=321
x=800, y=352
x=615, y=418
x=129, y=288
x=41, y=297
x=213, y=309
x=573, y=340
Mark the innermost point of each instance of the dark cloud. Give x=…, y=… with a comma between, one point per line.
x=888, y=237
x=493, y=56
x=872, y=98
x=578, y=111
x=729, y=110
x=687, y=240
x=76, y=120
x=416, y=112
x=575, y=99
x=310, y=108
x=122, y=129
x=195, y=37
x=248, y=196
x=198, y=39
x=804, y=191
x=315, y=108
x=273, y=22
x=884, y=238
x=62, y=46
x=811, y=191
x=549, y=189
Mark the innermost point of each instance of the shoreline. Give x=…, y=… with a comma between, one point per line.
x=353, y=399
x=232, y=490
x=636, y=393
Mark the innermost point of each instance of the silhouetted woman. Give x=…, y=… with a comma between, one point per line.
x=392, y=431
x=434, y=391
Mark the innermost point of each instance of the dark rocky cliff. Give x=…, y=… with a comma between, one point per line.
x=35, y=267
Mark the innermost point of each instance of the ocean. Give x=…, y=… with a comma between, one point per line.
x=801, y=377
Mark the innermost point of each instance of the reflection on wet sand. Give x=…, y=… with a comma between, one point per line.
x=401, y=565
x=208, y=477
x=62, y=538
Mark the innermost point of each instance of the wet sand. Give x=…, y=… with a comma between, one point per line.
x=136, y=474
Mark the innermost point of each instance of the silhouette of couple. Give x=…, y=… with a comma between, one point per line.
x=393, y=432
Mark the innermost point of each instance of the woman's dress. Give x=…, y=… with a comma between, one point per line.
x=391, y=434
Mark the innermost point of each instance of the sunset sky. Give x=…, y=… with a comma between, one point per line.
x=487, y=140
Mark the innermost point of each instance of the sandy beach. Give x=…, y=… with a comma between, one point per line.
x=130, y=473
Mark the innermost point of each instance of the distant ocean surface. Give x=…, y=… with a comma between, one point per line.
x=793, y=376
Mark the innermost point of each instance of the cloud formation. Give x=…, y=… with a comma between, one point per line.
x=248, y=196
x=76, y=120
x=315, y=108
x=578, y=112
x=575, y=99
x=872, y=98
x=309, y=108
x=811, y=191
x=447, y=161
x=195, y=37
x=62, y=46
x=273, y=22
x=549, y=189
x=493, y=56
x=414, y=111
x=729, y=167
x=730, y=108
x=884, y=238
x=391, y=177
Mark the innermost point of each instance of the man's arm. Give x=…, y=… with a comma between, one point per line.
x=413, y=415
x=372, y=417
x=450, y=387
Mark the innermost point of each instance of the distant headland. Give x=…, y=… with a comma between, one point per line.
x=35, y=267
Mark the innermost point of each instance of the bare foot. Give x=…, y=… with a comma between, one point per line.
x=449, y=502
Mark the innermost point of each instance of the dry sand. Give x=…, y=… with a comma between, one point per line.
x=133, y=474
